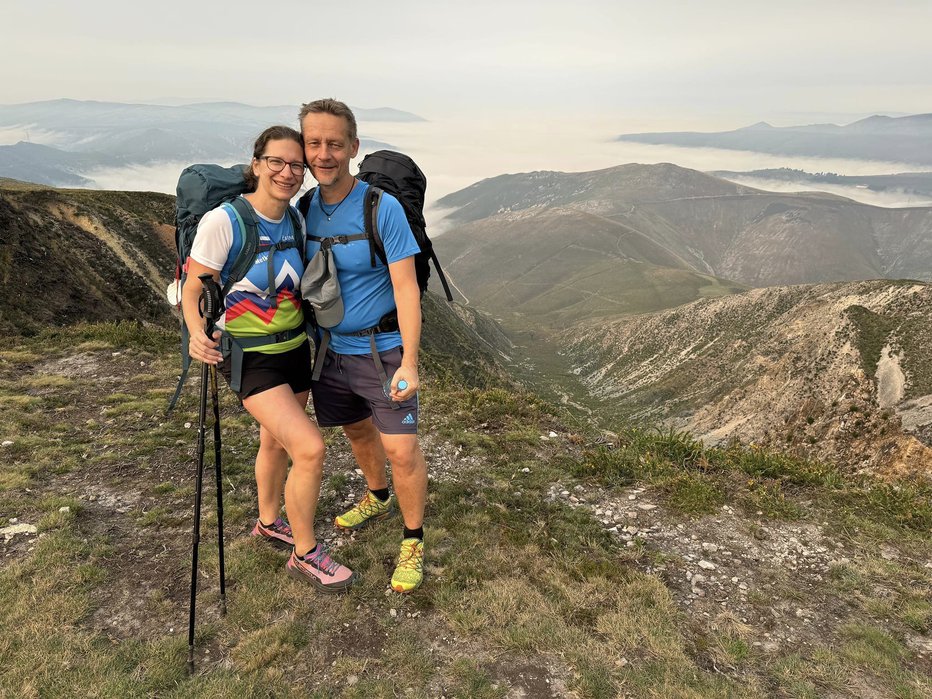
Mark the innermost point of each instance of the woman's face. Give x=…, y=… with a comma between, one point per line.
x=289, y=157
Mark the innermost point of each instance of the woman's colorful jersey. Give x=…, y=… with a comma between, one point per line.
x=249, y=308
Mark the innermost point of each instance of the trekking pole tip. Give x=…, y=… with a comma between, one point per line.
x=191, y=660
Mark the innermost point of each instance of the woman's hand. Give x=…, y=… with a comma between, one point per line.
x=205, y=349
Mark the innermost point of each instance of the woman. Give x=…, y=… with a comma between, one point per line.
x=275, y=376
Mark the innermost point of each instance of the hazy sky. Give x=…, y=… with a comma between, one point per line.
x=718, y=61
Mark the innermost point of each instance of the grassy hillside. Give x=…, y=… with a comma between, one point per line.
x=562, y=561
x=561, y=265
x=72, y=255
x=559, y=563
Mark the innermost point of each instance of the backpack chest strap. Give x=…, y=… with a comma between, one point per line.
x=328, y=242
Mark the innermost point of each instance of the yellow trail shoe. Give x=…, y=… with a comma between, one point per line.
x=410, y=569
x=369, y=509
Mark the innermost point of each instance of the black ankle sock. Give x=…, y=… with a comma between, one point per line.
x=414, y=533
x=381, y=493
x=309, y=551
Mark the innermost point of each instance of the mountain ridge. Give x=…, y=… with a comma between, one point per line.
x=906, y=139
x=719, y=228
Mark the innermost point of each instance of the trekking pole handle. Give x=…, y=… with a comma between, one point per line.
x=402, y=385
x=211, y=302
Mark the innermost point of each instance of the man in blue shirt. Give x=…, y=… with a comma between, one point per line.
x=378, y=415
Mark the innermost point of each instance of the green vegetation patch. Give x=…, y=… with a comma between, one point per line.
x=872, y=333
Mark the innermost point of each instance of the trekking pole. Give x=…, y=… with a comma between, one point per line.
x=217, y=470
x=210, y=310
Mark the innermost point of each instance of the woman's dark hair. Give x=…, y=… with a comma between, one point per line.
x=273, y=133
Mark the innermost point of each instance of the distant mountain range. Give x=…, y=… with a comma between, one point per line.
x=637, y=238
x=63, y=140
x=898, y=139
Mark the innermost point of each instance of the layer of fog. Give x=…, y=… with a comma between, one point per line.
x=889, y=199
x=457, y=153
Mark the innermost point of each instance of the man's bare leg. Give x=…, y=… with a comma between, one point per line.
x=409, y=476
x=367, y=447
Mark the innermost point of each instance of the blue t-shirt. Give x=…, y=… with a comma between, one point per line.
x=366, y=290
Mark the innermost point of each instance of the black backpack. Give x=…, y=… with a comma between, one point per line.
x=202, y=188
x=397, y=174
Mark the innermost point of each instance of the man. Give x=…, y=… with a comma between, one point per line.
x=373, y=397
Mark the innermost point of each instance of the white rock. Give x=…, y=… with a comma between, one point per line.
x=187, y=425
x=712, y=548
x=15, y=529
x=552, y=434
x=393, y=612
x=706, y=565
x=64, y=510
x=646, y=506
x=7, y=443
x=525, y=470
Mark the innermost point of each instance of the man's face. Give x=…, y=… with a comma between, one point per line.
x=328, y=148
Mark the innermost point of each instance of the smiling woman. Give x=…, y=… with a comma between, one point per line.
x=262, y=349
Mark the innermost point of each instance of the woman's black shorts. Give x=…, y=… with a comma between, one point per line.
x=264, y=371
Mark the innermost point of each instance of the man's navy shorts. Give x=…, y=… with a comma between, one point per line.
x=350, y=390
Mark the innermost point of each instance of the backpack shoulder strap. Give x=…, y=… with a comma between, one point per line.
x=298, y=232
x=304, y=203
x=370, y=217
x=249, y=229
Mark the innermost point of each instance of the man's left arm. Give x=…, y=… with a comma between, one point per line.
x=408, y=304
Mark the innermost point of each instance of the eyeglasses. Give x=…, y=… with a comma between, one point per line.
x=277, y=165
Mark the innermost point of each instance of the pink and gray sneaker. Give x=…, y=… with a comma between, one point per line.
x=320, y=570
x=278, y=533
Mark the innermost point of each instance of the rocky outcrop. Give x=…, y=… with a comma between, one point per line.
x=835, y=372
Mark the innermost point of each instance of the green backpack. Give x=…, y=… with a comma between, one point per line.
x=202, y=188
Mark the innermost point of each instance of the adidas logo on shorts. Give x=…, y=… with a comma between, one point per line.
x=409, y=419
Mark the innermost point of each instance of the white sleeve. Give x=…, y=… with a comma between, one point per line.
x=213, y=239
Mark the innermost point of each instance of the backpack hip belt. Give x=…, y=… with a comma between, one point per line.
x=233, y=347
x=387, y=323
